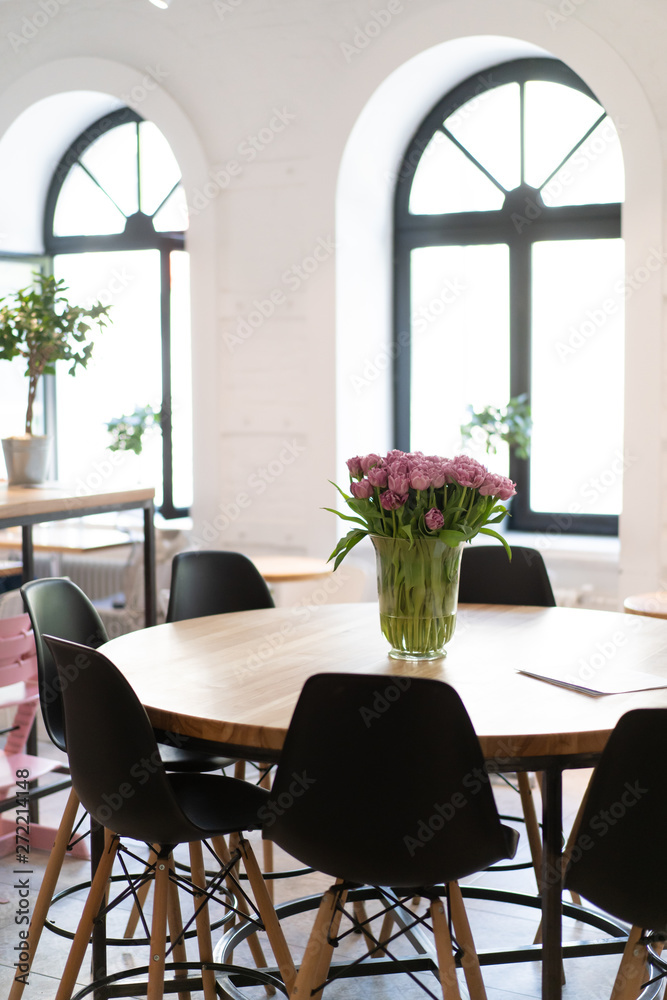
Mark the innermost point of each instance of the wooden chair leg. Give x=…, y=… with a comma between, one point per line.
x=532, y=825
x=91, y=908
x=203, y=924
x=317, y=956
x=470, y=960
x=443, y=946
x=268, y=856
x=268, y=915
x=221, y=849
x=632, y=970
x=46, y=892
x=158, y=946
x=175, y=922
x=385, y=933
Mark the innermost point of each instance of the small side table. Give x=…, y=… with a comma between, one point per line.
x=289, y=569
x=652, y=605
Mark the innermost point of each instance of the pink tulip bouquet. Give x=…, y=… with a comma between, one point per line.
x=411, y=495
x=419, y=510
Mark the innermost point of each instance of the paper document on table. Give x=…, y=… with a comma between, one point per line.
x=613, y=682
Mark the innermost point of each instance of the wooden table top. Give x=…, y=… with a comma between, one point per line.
x=66, y=537
x=289, y=569
x=235, y=678
x=29, y=501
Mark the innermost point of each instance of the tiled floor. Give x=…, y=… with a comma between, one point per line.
x=494, y=925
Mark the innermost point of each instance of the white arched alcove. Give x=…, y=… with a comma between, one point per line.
x=96, y=84
x=471, y=39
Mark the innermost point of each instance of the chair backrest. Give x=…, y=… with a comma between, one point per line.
x=56, y=606
x=381, y=780
x=617, y=857
x=489, y=577
x=212, y=582
x=113, y=755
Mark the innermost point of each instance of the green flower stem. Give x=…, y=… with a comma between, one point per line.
x=418, y=592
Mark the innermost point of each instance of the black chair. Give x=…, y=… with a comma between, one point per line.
x=488, y=577
x=376, y=787
x=59, y=607
x=213, y=582
x=118, y=776
x=616, y=856
x=216, y=582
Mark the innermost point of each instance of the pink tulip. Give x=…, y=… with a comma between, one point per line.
x=398, y=483
x=368, y=461
x=420, y=478
x=354, y=466
x=362, y=490
x=378, y=476
x=391, y=500
x=433, y=519
x=497, y=486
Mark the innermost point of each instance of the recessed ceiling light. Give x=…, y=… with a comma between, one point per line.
x=162, y=4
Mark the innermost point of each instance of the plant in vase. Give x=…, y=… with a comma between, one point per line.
x=40, y=325
x=419, y=510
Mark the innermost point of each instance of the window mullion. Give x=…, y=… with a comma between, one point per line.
x=520, y=305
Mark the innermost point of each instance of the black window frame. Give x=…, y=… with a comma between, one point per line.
x=139, y=234
x=412, y=231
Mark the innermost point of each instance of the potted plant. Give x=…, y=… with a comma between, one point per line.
x=127, y=432
x=511, y=424
x=41, y=326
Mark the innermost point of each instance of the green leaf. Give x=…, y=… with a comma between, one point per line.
x=454, y=536
x=495, y=534
x=344, y=517
x=345, y=545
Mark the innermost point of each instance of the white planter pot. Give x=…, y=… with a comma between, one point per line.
x=27, y=459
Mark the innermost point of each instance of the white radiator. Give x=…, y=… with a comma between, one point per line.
x=98, y=577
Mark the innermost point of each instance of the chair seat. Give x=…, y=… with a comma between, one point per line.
x=190, y=761
x=11, y=764
x=217, y=804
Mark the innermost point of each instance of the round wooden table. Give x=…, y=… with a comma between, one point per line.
x=232, y=681
x=653, y=604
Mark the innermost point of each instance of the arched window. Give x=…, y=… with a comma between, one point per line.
x=509, y=280
x=114, y=226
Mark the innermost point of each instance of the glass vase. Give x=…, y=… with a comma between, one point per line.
x=418, y=590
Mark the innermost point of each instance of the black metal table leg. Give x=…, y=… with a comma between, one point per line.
x=552, y=818
x=99, y=946
x=27, y=554
x=149, y=566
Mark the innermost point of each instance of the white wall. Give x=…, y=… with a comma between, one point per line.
x=274, y=108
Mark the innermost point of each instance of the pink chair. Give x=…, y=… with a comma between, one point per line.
x=19, y=690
